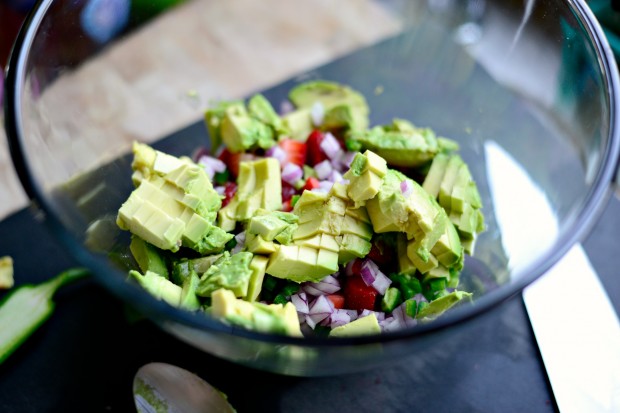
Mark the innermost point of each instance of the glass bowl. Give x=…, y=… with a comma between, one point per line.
x=528, y=89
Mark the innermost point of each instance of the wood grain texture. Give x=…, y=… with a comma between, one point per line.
x=162, y=76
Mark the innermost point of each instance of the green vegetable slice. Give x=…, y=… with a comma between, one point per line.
x=26, y=308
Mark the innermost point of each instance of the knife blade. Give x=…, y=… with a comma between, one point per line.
x=578, y=334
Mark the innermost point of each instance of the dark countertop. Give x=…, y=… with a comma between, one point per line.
x=83, y=359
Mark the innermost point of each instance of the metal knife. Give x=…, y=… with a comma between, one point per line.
x=578, y=334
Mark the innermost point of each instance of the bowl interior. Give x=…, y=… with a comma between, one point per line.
x=527, y=90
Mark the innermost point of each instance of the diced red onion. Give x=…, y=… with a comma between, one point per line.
x=331, y=279
x=220, y=190
x=339, y=318
x=300, y=301
x=286, y=107
x=310, y=289
x=317, y=112
x=321, y=306
x=322, y=287
x=324, y=186
x=323, y=169
x=379, y=314
x=381, y=283
x=278, y=153
x=406, y=187
x=330, y=146
x=352, y=314
x=369, y=271
x=291, y=173
x=310, y=322
x=335, y=176
x=390, y=324
x=214, y=163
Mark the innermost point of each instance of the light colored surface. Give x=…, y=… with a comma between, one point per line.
x=162, y=76
x=578, y=334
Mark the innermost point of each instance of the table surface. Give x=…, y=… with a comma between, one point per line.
x=84, y=357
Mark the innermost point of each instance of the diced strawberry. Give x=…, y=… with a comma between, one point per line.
x=358, y=295
x=314, y=152
x=337, y=300
x=288, y=191
x=311, y=183
x=229, y=191
x=295, y=150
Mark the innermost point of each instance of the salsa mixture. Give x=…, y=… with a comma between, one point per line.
x=306, y=221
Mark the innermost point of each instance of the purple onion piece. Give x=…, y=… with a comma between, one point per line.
x=291, y=173
x=277, y=153
x=381, y=283
x=300, y=301
x=330, y=146
x=406, y=187
x=323, y=169
x=317, y=112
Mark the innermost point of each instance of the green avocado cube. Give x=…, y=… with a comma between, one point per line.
x=298, y=123
x=362, y=326
x=447, y=183
x=256, y=244
x=158, y=286
x=258, y=265
x=241, y=132
x=440, y=305
x=189, y=299
x=267, y=226
x=231, y=272
x=213, y=120
x=435, y=174
x=148, y=257
x=351, y=247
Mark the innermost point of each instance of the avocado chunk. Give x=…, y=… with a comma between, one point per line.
x=213, y=120
x=240, y=131
x=255, y=316
x=189, y=300
x=365, y=176
x=400, y=143
x=158, y=286
x=362, y=326
x=442, y=304
x=298, y=124
x=343, y=106
x=299, y=263
x=259, y=186
x=6, y=272
x=148, y=257
x=260, y=108
x=258, y=265
x=232, y=272
x=173, y=205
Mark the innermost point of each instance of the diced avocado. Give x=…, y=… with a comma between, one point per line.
x=365, y=176
x=320, y=241
x=400, y=144
x=362, y=326
x=423, y=260
x=229, y=271
x=6, y=272
x=440, y=305
x=345, y=116
x=298, y=124
x=241, y=132
x=256, y=244
x=448, y=249
x=405, y=265
x=299, y=263
x=392, y=299
x=158, y=286
x=173, y=205
x=267, y=226
x=258, y=265
x=435, y=174
x=188, y=299
x=259, y=186
x=261, y=109
x=447, y=183
x=389, y=210
x=286, y=236
x=352, y=246
x=256, y=316
x=148, y=257
x=183, y=268
x=213, y=120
